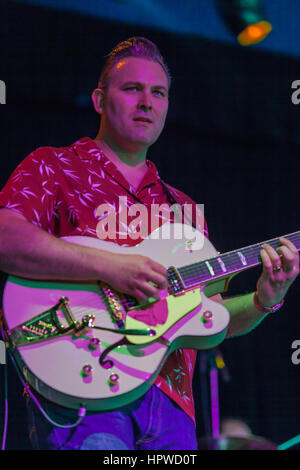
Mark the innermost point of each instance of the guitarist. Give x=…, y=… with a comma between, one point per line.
x=55, y=192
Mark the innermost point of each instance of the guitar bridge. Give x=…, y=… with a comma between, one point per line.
x=117, y=304
x=56, y=321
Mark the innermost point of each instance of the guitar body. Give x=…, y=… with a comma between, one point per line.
x=55, y=365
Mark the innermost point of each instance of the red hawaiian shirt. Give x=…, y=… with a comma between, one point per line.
x=60, y=189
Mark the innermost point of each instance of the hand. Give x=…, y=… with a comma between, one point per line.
x=280, y=269
x=136, y=275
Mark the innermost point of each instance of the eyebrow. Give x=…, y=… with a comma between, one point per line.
x=160, y=87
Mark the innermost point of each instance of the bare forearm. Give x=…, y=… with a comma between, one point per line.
x=244, y=316
x=28, y=251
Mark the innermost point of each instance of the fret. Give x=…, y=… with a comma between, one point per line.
x=210, y=268
x=229, y=263
x=242, y=258
x=217, y=266
x=194, y=273
x=221, y=262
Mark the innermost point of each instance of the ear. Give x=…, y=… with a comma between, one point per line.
x=98, y=100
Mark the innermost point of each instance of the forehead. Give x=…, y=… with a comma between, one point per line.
x=137, y=69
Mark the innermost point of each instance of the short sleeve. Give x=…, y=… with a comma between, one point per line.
x=31, y=189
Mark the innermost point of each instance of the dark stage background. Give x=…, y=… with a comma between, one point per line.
x=231, y=142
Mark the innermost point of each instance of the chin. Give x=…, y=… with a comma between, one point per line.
x=142, y=141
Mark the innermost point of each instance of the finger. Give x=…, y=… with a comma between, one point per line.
x=289, y=244
x=146, y=288
x=266, y=261
x=289, y=259
x=286, y=254
x=157, y=274
x=159, y=268
x=160, y=281
x=143, y=294
x=273, y=256
x=140, y=296
x=150, y=289
x=270, y=269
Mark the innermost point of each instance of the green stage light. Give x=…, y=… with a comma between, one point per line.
x=245, y=19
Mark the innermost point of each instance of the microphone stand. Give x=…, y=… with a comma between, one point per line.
x=214, y=395
x=210, y=363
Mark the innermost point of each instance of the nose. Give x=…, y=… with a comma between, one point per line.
x=145, y=102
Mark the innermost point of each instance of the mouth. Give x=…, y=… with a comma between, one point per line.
x=142, y=120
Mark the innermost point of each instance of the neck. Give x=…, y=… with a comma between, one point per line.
x=120, y=156
x=228, y=264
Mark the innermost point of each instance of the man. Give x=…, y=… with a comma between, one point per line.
x=56, y=192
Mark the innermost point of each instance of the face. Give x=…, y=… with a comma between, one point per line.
x=135, y=104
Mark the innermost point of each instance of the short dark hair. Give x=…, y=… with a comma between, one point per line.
x=132, y=47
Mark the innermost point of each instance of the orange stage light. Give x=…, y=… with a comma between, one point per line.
x=254, y=33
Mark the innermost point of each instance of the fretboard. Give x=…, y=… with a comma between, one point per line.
x=229, y=263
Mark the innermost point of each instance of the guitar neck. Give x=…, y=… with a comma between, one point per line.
x=229, y=263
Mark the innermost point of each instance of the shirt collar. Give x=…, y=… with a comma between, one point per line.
x=87, y=149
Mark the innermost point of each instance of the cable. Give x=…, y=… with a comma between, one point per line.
x=6, y=407
x=81, y=411
x=5, y=391
x=290, y=443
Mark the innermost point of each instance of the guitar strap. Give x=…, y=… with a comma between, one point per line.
x=174, y=205
x=1, y=317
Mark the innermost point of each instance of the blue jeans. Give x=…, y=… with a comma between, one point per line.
x=153, y=422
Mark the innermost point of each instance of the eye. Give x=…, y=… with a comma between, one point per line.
x=131, y=88
x=159, y=93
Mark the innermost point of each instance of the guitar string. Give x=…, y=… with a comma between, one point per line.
x=200, y=268
x=201, y=271
x=92, y=302
x=252, y=249
x=195, y=272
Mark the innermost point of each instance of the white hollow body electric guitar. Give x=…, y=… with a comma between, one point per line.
x=83, y=343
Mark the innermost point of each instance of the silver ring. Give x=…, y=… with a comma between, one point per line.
x=276, y=269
